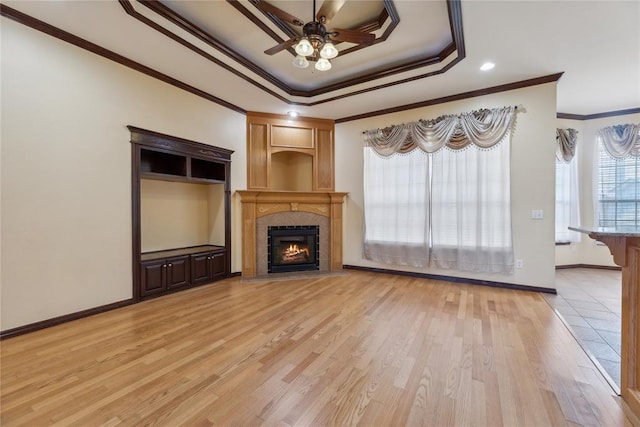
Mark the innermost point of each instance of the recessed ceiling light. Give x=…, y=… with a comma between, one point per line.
x=292, y=113
x=487, y=66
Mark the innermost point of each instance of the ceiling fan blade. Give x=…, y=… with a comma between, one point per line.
x=269, y=8
x=352, y=36
x=282, y=46
x=328, y=10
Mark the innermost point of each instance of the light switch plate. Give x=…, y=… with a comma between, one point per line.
x=537, y=214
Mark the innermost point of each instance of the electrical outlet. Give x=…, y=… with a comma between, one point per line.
x=519, y=263
x=537, y=214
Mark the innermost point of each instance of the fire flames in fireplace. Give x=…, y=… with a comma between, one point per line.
x=295, y=253
x=292, y=248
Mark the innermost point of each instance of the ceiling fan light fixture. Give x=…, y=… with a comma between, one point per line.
x=304, y=47
x=323, y=64
x=328, y=50
x=300, y=62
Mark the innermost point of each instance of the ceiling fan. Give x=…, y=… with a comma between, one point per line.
x=316, y=42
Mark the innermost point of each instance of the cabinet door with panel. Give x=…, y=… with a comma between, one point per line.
x=177, y=272
x=207, y=267
x=162, y=274
x=200, y=268
x=218, y=264
x=153, y=279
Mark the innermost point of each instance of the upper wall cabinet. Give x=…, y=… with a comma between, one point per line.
x=271, y=134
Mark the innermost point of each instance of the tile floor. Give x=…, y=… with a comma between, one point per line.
x=589, y=300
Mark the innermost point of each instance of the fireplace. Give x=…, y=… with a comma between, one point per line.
x=293, y=248
x=263, y=209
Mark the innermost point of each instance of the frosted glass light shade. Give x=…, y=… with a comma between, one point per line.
x=323, y=64
x=328, y=51
x=300, y=62
x=304, y=48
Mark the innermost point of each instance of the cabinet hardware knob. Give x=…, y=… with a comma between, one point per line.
x=170, y=265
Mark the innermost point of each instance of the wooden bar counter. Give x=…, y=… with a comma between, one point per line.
x=624, y=245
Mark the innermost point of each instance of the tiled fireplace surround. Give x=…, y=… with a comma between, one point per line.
x=261, y=209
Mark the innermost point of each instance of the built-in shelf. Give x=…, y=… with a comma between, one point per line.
x=163, y=157
x=183, y=168
x=206, y=170
x=162, y=164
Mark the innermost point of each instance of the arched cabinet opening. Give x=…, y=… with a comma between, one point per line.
x=291, y=171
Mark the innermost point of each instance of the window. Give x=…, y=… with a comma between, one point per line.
x=396, y=203
x=436, y=192
x=450, y=209
x=618, y=191
x=567, y=203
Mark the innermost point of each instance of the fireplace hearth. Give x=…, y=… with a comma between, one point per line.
x=293, y=248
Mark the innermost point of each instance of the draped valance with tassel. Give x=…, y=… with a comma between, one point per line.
x=483, y=128
x=621, y=141
x=566, y=147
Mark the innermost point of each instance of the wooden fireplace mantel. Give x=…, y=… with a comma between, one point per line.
x=257, y=204
x=624, y=245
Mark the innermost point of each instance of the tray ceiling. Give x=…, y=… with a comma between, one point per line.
x=424, y=50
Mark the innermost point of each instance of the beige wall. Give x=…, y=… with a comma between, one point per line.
x=587, y=251
x=215, y=211
x=173, y=215
x=532, y=178
x=66, y=171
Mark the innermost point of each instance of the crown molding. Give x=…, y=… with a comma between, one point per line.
x=465, y=95
x=598, y=115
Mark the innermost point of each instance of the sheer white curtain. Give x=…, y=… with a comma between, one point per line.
x=396, y=200
x=471, y=210
x=454, y=201
x=567, y=201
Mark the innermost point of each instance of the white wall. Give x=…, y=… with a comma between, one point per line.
x=587, y=251
x=66, y=171
x=532, y=180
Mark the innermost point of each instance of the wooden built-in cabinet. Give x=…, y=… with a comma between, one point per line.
x=270, y=134
x=167, y=158
x=166, y=271
x=207, y=267
x=161, y=275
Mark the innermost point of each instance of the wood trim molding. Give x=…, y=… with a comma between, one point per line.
x=598, y=115
x=32, y=327
x=596, y=267
x=454, y=279
x=48, y=29
x=465, y=95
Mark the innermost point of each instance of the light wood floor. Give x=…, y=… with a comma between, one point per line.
x=363, y=348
